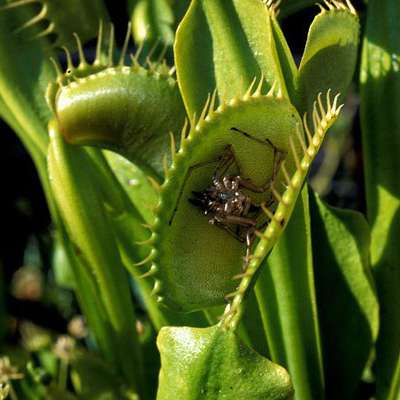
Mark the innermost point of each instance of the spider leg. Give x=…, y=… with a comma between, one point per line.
x=249, y=237
x=241, y=221
x=231, y=231
x=279, y=156
x=187, y=176
x=227, y=159
x=249, y=244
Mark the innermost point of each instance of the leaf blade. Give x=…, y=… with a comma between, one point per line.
x=345, y=294
x=224, y=45
x=380, y=92
x=329, y=58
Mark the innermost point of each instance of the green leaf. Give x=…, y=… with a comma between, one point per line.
x=61, y=264
x=346, y=298
x=80, y=202
x=89, y=298
x=286, y=59
x=330, y=54
x=286, y=296
x=224, y=45
x=380, y=118
x=212, y=363
x=333, y=36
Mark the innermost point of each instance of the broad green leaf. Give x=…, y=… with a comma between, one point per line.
x=224, y=45
x=347, y=302
x=286, y=60
x=62, y=269
x=380, y=118
x=211, y=363
x=330, y=55
x=286, y=297
x=250, y=330
x=80, y=203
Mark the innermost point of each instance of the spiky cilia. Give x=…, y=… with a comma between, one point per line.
x=57, y=21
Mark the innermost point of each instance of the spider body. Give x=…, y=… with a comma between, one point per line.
x=226, y=204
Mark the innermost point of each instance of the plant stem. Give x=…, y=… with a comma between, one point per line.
x=62, y=374
x=13, y=394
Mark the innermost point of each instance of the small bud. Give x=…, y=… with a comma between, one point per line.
x=64, y=347
x=77, y=327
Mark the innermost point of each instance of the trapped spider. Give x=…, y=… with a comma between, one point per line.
x=225, y=200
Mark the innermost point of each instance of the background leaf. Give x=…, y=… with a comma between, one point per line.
x=286, y=297
x=330, y=55
x=347, y=302
x=224, y=45
x=380, y=118
x=80, y=203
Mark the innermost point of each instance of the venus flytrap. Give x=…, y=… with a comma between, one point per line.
x=115, y=89
x=216, y=256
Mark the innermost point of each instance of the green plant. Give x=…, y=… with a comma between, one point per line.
x=297, y=287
